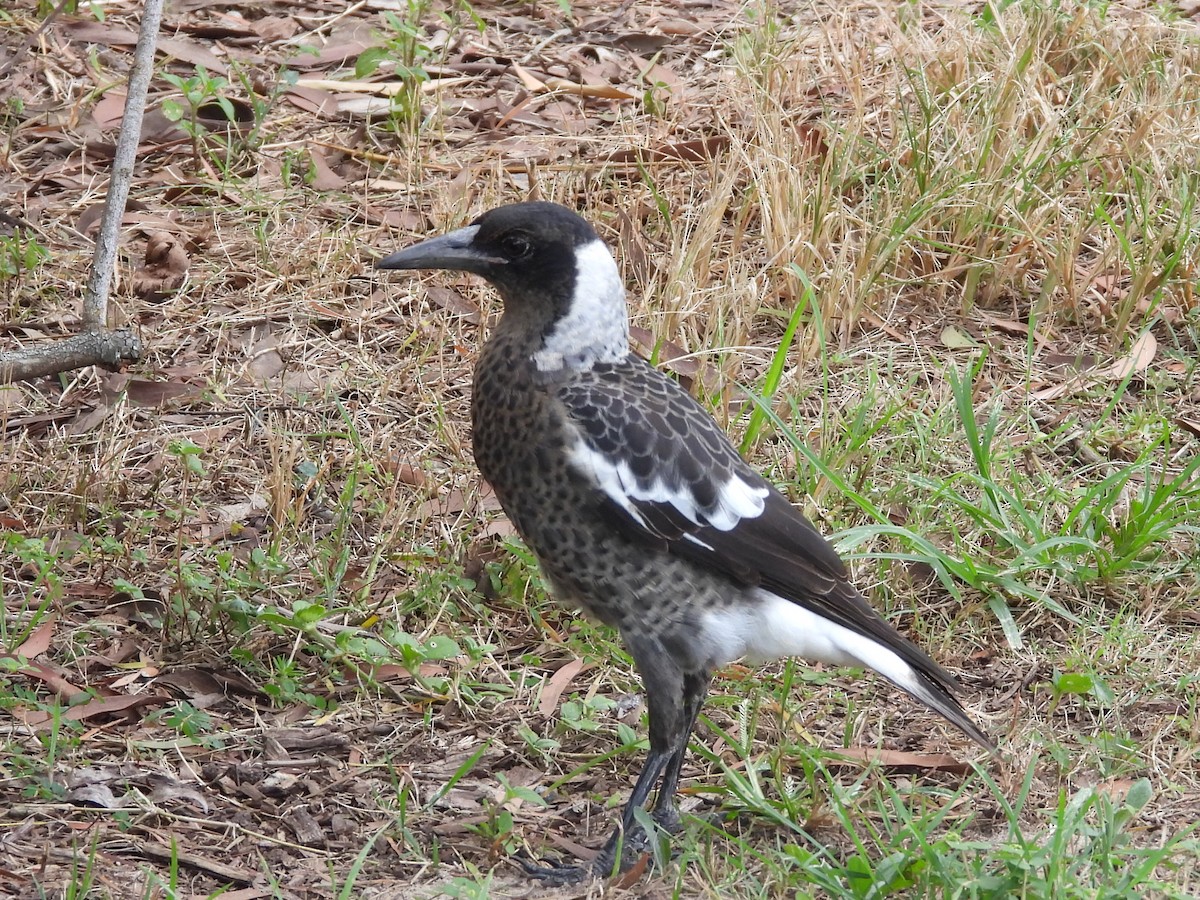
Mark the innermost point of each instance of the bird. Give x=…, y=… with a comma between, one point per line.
x=637, y=506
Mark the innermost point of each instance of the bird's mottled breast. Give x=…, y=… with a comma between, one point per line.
x=518, y=429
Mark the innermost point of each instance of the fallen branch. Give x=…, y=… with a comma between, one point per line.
x=96, y=345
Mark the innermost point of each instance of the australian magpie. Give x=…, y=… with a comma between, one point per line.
x=636, y=504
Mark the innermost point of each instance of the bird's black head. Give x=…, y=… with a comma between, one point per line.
x=520, y=247
x=561, y=289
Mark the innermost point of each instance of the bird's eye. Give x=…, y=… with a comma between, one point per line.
x=516, y=246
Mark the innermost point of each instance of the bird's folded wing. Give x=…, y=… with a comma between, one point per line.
x=670, y=475
x=667, y=474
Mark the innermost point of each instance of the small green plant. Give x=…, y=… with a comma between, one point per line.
x=585, y=713
x=404, y=51
x=198, y=91
x=1079, y=684
x=211, y=117
x=20, y=254
x=187, y=720
x=498, y=828
x=286, y=686
x=26, y=609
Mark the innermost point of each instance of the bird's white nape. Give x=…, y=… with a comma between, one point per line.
x=596, y=325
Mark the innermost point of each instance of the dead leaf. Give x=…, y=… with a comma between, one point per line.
x=626, y=880
x=88, y=31
x=527, y=79
x=395, y=671
x=957, y=339
x=39, y=641
x=1189, y=425
x=380, y=88
x=899, y=760
x=320, y=103
x=697, y=150
x=157, y=394
x=811, y=140
x=265, y=362
x=324, y=178
x=89, y=419
x=1116, y=788
x=450, y=299
x=1020, y=329
x=407, y=474
x=1140, y=355
x=108, y=706
x=109, y=110
x=97, y=795
x=47, y=674
x=556, y=684
x=671, y=356
x=167, y=791
x=164, y=270
x=598, y=91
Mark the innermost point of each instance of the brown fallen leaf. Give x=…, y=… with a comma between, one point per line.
x=596, y=91
x=528, y=80
x=87, y=31
x=451, y=300
x=1116, y=788
x=265, y=362
x=811, y=139
x=164, y=270
x=49, y=675
x=1191, y=425
x=319, y=103
x=899, y=760
x=96, y=795
x=535, y=85
x=1010, y=326
x=156, y=394
x=406, y=473
x=484, y=500
x=39, y=640
x=109, y=110
x=395, y=671
x=626, y=880
x=108, y=706
x=697, y=150
x=1140, y=355
x=556, y=684
x=324, y=178
x=670, y=355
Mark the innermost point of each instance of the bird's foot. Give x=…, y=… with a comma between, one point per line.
x=554, y=873
x=604, y=865
x=666, y=816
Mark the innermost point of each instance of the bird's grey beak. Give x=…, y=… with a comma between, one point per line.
x=455, y=251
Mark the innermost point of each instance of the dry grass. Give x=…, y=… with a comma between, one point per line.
x=1029, y=181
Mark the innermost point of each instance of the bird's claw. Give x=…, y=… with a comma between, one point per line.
x=552, y=872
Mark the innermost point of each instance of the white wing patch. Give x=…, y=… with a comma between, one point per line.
x=596, y=325
x=736, y=499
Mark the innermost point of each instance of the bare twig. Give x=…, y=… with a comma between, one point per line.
x=96, y=345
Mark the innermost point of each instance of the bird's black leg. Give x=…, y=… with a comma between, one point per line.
x=695, y=689
x=671, y=713
x=670, y=717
